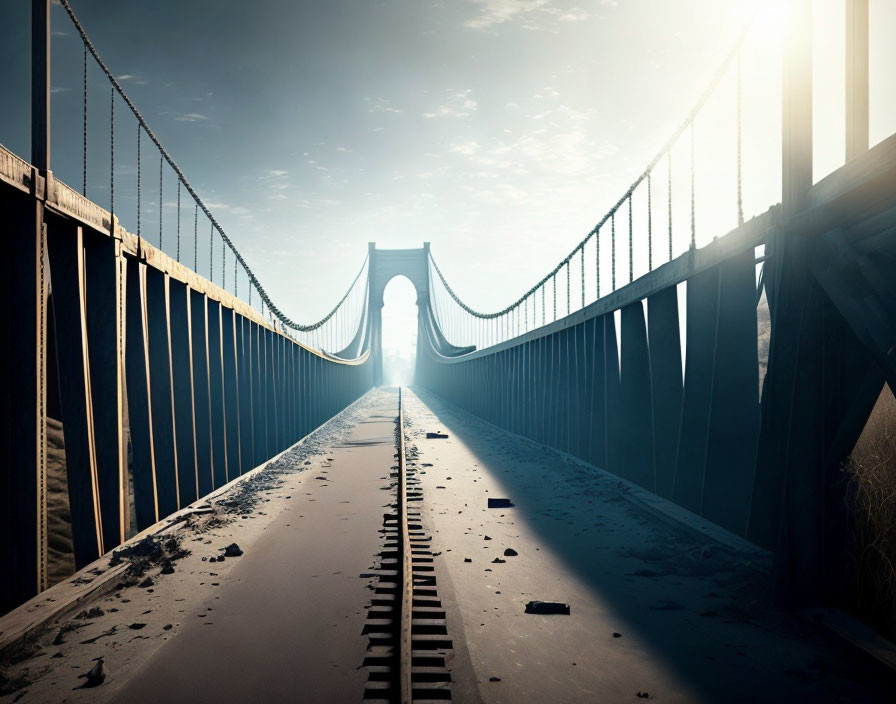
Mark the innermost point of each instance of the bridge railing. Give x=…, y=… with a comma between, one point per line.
x=721, y=166
x=124, y=166
x=134, y=384
x=657, y=379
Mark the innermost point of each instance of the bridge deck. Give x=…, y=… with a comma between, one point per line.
x=695, y=621
x=284, y=621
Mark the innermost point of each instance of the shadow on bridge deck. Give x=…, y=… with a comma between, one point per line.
x=696, y=619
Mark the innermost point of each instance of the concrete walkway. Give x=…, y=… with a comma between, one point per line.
x=286, y=626
x=652, y=610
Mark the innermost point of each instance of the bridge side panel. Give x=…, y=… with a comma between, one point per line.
x=583, y=394
x=637, y=419
x=734, y=419
x=182, y=372
x=146, y=505
x=244, y=365
x=216, y=394
x=22, y=571
x=104, y=283
x=160, y=385
x=257, y=398
x=612, y=396
x=702, y=316
x=666, y=383
x=231, y=391
x=66, y=257
x=201, y=400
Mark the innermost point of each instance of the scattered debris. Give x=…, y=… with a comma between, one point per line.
x=547, y=607
x=94, y=677
x=486, y=537
x=500, y=503
x=232, y=550
x=435, y=436
x=65, y=630
x=498, y=561
x=494, y=679
x=617, y=635
x=510, y=552
x=467, y=559
x=137, y=626
x=643, y=695
x=95, y=612
x=110, y=632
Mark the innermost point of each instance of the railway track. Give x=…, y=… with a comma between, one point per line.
x=408, y=635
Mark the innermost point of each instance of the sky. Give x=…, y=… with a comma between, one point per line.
x=498, y=130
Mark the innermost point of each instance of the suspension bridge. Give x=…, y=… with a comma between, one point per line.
x=689, y=380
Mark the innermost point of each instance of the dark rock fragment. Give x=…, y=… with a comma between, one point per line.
x=232, y=550
x=547, y=607
x=510, y=552
x=95, y=612
x=93, y=677
x=500, y=503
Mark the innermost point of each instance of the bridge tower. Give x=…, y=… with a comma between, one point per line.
x=385, y=265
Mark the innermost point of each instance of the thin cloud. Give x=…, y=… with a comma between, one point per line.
x=493, y=12
x=458, y=104
x=191, y=117
x=530, y=12
x=381, y=105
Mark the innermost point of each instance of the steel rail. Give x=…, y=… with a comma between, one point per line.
x=406, y=606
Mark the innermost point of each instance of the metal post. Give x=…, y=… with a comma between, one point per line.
x=40, y=84
x=40, y=159
x=856, y=77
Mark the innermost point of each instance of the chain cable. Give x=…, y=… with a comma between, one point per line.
x=740, y=192
x=138, y=179
x=116, y=87
x=613, y=249
x=669, y=192
x=178, y=220
x=567, y=289
x=196, y=237
x=554, y=288
x=649, y=224
x=631, y=244
x=693, y=197
x=582, y=263
x=84, y=130
x=112, y=162
x=161, y=165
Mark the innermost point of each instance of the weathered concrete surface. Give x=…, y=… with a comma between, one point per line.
x=693, y=619
x=281, y=623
